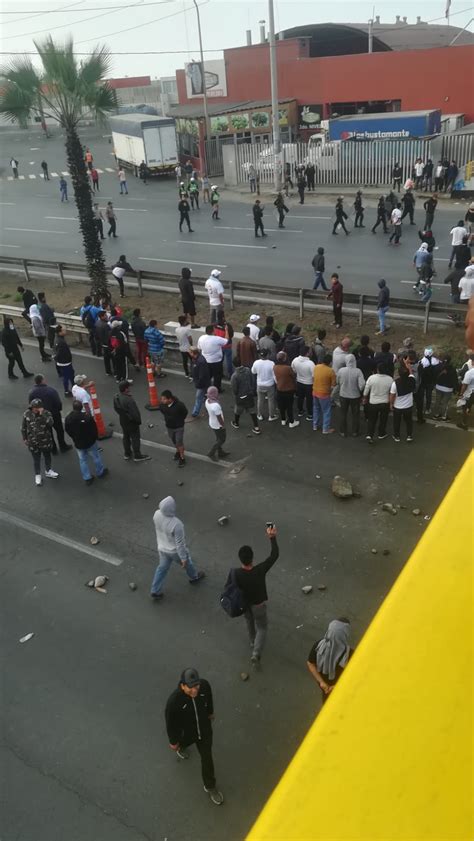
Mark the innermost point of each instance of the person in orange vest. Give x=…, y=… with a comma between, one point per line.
x=226, y=331
x=88, y=157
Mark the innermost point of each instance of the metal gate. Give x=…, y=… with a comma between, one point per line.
x=459, y=148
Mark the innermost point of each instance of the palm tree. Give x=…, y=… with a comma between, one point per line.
x=66, y=89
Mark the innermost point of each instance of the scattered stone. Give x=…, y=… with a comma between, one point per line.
x=132, y=585
x=341, y=488
x=387, y=506
x=26, y=638
x=273, y=246
x=427, y=517
x=180, y=483
x=94, y=541
x=307, y=589
x=100, y=580
x=298, y=627
x=416, y=512
x=244, y=676
x=386, y=552
x=322, y=587
x=100, y=590
x=249, y=435
x=237, y=468
x=223, y=520
x=90, y=583
x=151, y=425
x=145, y=496
x=318, y=476
x=374, y=551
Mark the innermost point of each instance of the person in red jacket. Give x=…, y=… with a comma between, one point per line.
x=337, y=296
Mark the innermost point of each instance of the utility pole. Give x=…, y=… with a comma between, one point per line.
x=371, y=36
x=204, y=89
x=274, y=88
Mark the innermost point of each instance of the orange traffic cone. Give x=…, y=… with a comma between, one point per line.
x=99, y=421
x=153, y=404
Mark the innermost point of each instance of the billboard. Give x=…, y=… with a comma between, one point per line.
x=390, y=126
x=309, y=116
x=212, y=73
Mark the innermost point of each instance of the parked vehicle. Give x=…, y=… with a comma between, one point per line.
x=143, y=137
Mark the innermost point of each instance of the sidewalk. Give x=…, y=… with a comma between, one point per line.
x=328, y=191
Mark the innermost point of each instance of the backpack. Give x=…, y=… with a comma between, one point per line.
x=232, y=598
x=88, y=319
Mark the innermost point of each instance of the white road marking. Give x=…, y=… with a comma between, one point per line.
x=218, y=244
x=36, y=231
x=433, y=284
x=32, y=176
x=8, y=202
x=54, y=174
x=132, y=209
x=21, y=177
x=4, y=245
x=274, y=230
x=188, y=453
x=66, y=218
x=180, y=262
x=34, y=149
x=108, y=168
x=65, y=173
x=294, y=216
x=92, y=551
x=9, y=177
x=100, y=171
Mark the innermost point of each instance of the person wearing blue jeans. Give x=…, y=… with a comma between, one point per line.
x=171, y=543
x=322, y=413
x=318, y=264
x=381, y=312
x=324, y=380
x=383, y=304
x=81, y=427
x=201, y=379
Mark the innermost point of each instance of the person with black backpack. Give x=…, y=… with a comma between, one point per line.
x=246, y=593
x=89, y=314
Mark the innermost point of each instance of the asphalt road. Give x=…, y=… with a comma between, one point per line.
x=36, y=224
x=84, y=753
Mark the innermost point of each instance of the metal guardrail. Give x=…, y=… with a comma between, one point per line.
x=244, y=291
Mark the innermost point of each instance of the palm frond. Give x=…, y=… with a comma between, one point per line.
x=97, y=66
x=17, y=104
x=59, y=62
x=22, y=73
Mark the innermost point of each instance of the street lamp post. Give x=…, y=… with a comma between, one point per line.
x=204, y=90
x=274, y=90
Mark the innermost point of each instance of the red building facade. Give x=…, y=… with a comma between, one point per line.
x=417, y=79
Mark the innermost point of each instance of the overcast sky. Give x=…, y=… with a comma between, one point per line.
x=171, y=25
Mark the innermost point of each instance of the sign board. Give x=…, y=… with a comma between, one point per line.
x=309, y=117
x=213, y=73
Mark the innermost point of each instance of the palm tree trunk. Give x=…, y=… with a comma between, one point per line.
x=41, y=113
x=83, y=197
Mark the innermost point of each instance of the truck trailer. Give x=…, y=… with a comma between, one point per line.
x=143, y=137
x=393, y=125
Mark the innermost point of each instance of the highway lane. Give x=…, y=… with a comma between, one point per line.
x=34, y=223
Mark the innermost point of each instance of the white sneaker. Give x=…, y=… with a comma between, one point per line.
x=38, y=479
x=292, y=425
x=283, y=423
x=259, y=417
x=273, y=417
x=51, y=474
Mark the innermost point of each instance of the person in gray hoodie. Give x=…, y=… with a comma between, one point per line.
x=351, y=382
x=171, y=542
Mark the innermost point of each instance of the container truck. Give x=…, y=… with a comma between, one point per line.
x=143, y=137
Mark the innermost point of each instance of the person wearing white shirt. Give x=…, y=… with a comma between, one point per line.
x=419, y=167
x=263, y=369
x=79, y=393
x=216, y=423
x=254, y=330
x=377, y=398
x=215, y=290
x=401, y=400
x=185, y=342
x=467, y=395
x=304, y=367
x=211, y=349
x=457, y=235
x=396, y=220
x=466, y=285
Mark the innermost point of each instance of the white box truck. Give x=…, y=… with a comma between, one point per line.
x=143, y=137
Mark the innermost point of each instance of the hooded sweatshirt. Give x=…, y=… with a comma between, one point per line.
x=169, y=529
x=350, y=379
x=384, y=295
x=339, y=357
x=37, y=325
x=466, y=284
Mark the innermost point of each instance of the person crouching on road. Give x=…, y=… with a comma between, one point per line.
x=36, y=431
x=189, y=713
x=330, y=655
x=81, y=427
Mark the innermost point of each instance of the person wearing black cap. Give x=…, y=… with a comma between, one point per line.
x=188, y=715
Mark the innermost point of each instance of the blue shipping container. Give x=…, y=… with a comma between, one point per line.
x=385, y=126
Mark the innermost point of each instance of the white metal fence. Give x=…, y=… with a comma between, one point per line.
x=360, y=163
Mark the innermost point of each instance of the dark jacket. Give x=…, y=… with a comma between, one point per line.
x=127, y=410
x=138, y=328
x=183, y=206
x=280, y=203
x=383, y=299
x=48, y=395
x=62, y=353
x=257, y=211
x=102, y=331
x=293, y=346
x=242, y=383
x=81, y=427
x=463, y=256
x=397, y=172
x=29, y=298
x=408, y=200
x=36, y=430
x=447, y=377
x=47, y=315
x=201, y=374
x=187, y=290
x=381, y=209
x=340, y=212
x=10, y=341
x=174, y=414
x=318, y=263
x=188, y=719
x=430, y=205
x=386, y=359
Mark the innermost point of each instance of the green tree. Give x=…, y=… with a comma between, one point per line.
x=66, y=89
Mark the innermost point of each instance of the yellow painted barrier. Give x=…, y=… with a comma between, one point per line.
x=389, y=757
